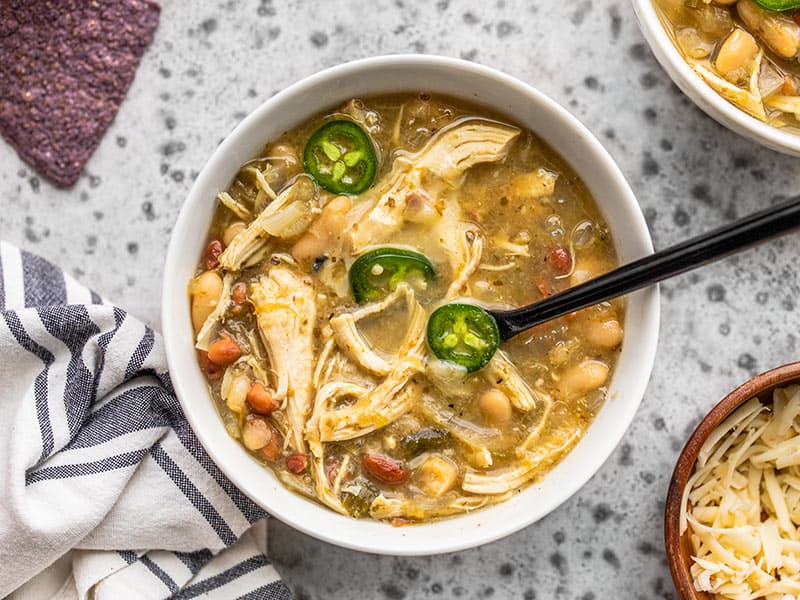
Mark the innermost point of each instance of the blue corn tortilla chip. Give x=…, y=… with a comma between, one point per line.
x=66, y=67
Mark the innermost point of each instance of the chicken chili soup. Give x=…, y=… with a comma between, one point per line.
x=746, y=50
x=325, y=258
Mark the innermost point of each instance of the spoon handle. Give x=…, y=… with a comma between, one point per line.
x=688, y=255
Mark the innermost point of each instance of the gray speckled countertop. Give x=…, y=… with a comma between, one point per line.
x=214, y=62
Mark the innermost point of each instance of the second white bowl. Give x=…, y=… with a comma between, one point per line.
x=709, y=101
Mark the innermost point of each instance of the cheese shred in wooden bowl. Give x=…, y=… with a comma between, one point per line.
x=742, y=504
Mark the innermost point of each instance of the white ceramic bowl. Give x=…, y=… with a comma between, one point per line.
x=523, y=105
x=709, y=101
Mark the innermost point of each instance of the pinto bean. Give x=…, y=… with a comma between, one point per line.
x=332, y=467
x=559, y=259
x=224, y=352
x=239, y=293
x=261, y=436
x=213, y=371
x=385, y=469
x=296, y=463
x=261, y=399
x=272, y=451
x=211, y=255
x=256, y=433
x=239, y=304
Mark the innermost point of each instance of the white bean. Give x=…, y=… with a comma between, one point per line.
x=737, y=51
x=586, y=269
x=324, y=231
x=206, y=290
x=495, y=406
x=606, y=334
x=231, y=231
x=583, y=378
x=777, y=31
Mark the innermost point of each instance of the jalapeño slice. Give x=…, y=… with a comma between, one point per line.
x=340, y=157
x=379, y=271
x=463, y=334
x=778, y=5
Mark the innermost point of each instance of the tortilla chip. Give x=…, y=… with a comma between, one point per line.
x=66, y=68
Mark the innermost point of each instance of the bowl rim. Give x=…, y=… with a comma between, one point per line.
x=648, y=301
x=676, y=544
x=709, y=101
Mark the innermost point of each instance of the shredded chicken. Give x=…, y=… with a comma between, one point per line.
x=464, y=144
x=255, y=235
x=285, y=305
x=391, y=398
x=422, y=507
x=235, y=207
x=749, y=100
x=461, y=242
x=325, y=396
x=480, y=439
x=530, y=462
x=389, y=401
x=504, y=375
x=470, y=250
x=446, y=157
x=353, y=344
x=263, y=184
x=322, y=361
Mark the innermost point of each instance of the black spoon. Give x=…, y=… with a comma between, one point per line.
x=477, y=332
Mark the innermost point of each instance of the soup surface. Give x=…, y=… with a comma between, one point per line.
x=745, y=52
x=326, y=256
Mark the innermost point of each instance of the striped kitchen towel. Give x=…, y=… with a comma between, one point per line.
x=97, y=459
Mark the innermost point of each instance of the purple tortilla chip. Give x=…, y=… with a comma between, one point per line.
x=66, y=66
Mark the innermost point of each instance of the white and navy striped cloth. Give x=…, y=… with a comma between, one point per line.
x=97, y=459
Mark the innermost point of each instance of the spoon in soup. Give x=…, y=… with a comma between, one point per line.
x=469, y=335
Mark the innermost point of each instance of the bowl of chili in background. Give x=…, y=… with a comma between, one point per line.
x=707, y=99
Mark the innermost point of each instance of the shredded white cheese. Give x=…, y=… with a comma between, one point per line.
x=742, y=504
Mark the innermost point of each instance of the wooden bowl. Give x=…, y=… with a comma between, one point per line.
x=678, y=546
